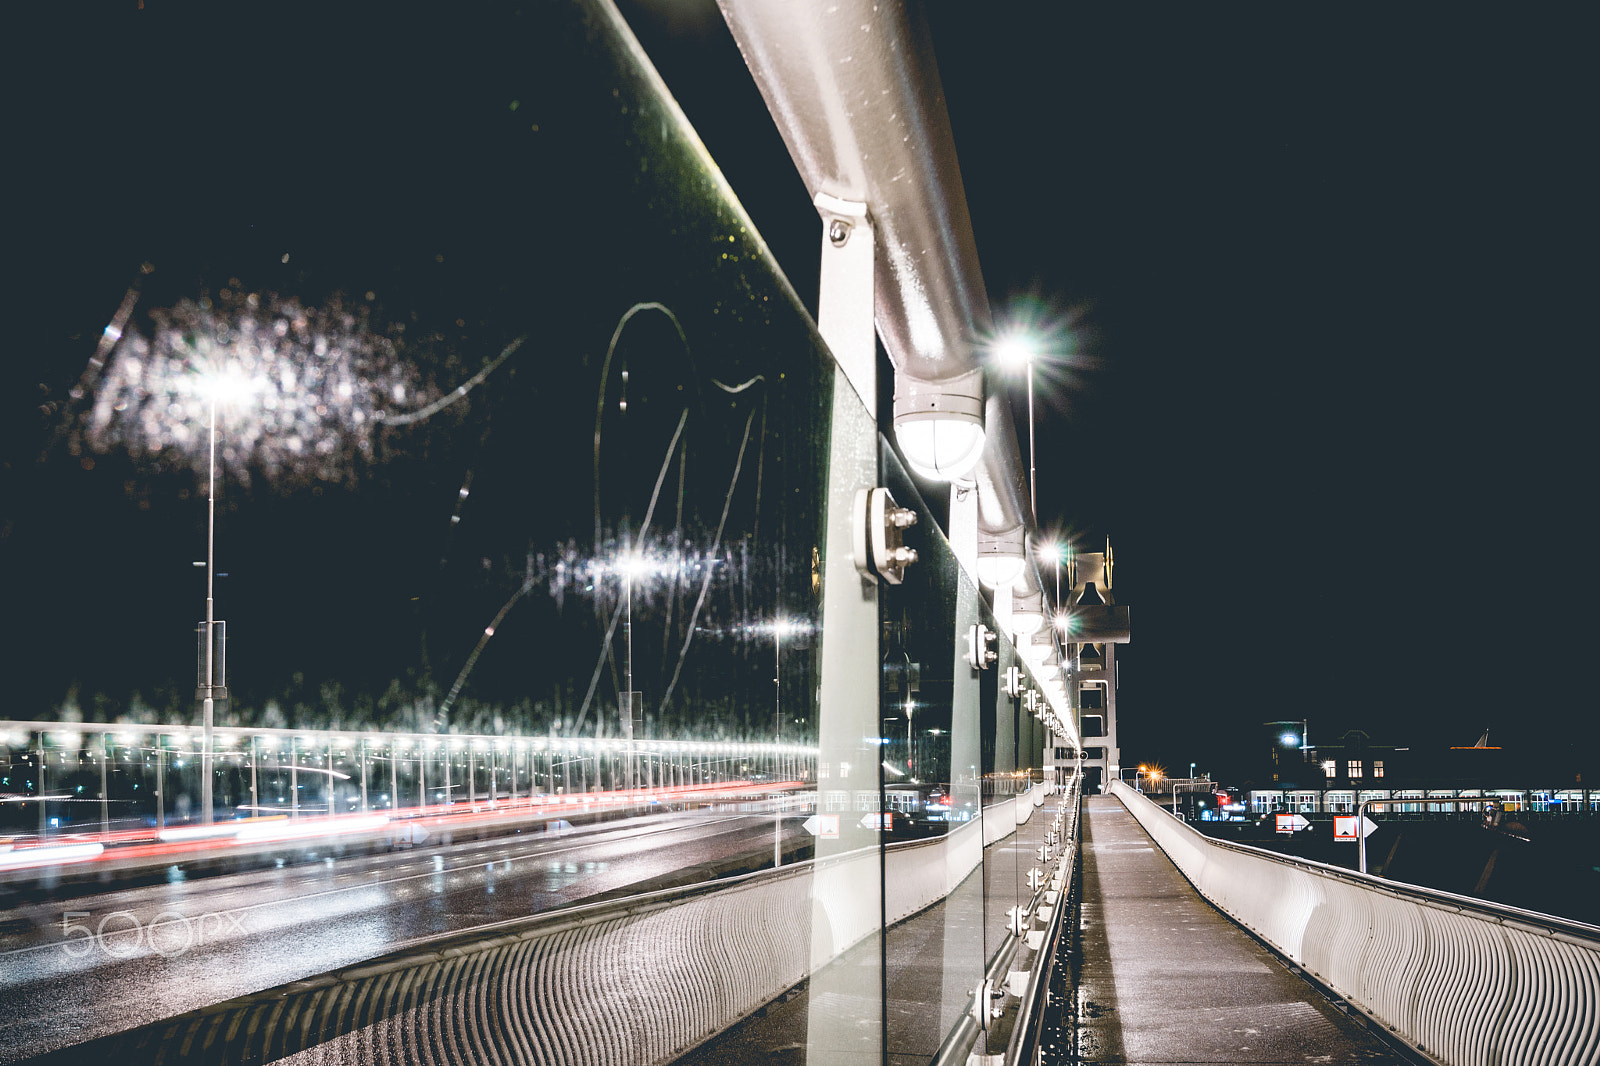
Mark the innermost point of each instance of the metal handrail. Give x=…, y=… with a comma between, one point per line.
x=1361, y=812
x=957, y=1044
x=1025, y=1032
x=854, y=89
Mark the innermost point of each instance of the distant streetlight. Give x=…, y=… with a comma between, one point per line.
x=1153, y=773
x=224, y=383
x=1050, y=552
x=780, y=626
x=1290, y=739
x=318, y=380
x=911, y=759
x=1016, y=349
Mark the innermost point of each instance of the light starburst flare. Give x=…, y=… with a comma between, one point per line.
x=299, y=391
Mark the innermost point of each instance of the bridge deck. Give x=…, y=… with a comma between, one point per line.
x=1167, y=979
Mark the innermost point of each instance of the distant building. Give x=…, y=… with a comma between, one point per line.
x=1335, y=777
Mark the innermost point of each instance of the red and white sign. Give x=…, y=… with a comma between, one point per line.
x=1345, y=827
x=1290, y=823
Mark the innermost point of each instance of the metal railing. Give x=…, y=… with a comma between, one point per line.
x=1462, y=981
x=1361, y=814
x=1054, y=896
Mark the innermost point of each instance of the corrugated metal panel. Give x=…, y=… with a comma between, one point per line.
x=1466, y=983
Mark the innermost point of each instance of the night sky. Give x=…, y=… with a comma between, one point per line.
x=1317, y=271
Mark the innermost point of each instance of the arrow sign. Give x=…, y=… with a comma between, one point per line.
x=823, y=825
x=1291, y=823
x=1345, y=828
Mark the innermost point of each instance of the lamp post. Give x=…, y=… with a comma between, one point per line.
x=910, y=756
x=209, y=713
x=1289, y=740
x=1013, y=350
x=220, y=382
x=779, y=626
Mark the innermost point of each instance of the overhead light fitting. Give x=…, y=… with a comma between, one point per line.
x=939, y=424
x=1000, y=557
x=1027, y=613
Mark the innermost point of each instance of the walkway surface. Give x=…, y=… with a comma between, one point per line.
x=1167, y=979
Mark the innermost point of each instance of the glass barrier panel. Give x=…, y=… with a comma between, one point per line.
x=522, y=437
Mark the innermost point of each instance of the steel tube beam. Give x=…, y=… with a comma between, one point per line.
x=854, y=89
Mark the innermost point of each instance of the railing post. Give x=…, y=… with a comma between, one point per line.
x=848, y=713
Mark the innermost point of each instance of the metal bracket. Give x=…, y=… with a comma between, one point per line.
x=981, y=641
x=879, y=525
x=982, y=1012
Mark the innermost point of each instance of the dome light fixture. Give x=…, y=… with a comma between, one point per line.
x=939, y=424
x=1027, y=613
x=1001, y=557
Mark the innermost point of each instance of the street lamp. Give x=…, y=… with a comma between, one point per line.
x=1050, y=552
x=1014, y=349
x=223, y=383
x=780, y=626
x=321, y=376
x=1290, y=739
x=1152, y=772
x=910, y=751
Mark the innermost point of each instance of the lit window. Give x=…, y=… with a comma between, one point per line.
x=1355, y=767
x=1329, y=768
x=1377, y=767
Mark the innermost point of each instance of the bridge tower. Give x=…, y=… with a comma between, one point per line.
x=1095, y=625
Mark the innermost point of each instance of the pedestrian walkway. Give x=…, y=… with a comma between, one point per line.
x=1167, y=979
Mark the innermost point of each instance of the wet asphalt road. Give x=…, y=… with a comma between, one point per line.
x=97, y=964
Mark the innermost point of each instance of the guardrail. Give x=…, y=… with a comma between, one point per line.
x=1055, y=896
x=628, y=982
x=1462, y=981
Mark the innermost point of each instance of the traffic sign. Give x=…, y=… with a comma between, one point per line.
x=1344, y=827
x=823, y=825
x=1291, y=823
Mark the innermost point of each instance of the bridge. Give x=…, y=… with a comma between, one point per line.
x=769, y=729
